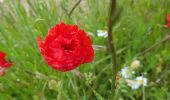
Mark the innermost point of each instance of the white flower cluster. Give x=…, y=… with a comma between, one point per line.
x=128, y=72
x=135, y=84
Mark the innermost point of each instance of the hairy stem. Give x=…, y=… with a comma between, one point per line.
x=111, y=43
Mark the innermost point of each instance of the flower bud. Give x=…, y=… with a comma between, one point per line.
x=135, y=64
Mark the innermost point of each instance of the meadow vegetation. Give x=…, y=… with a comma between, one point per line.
x=140, y=32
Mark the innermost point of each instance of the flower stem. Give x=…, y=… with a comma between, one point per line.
x=74, y=7
x=163, y=40
x=143, y=93
x=111, y=43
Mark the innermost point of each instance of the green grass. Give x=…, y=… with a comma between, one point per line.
x=141, y=24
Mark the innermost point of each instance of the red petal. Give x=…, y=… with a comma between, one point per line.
x=7, y=65
x=3, y=62
x=2, y=73
x=66, y=47
x=90, y=55
x=2, y=54
x=39, y=40
x=168, y=18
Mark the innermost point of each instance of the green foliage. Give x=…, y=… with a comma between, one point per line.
x=142, y=24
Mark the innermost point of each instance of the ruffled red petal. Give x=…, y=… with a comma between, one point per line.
x=66, y=47
x=3, y=62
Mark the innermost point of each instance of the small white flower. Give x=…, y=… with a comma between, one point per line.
x=133, y=72
x=1, y=1
x=102, y=33
x=135, y=64
x=142, y=80
x=139, y=81
x=126, y=72
x=133, y=84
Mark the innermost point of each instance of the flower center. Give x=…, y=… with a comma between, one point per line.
x=128, y=72
x=141, y=81
x=69, y=46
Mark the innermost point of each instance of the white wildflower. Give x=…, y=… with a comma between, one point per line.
x=102, y=33
x=126, y=72
x=142, y=80
x=135, y=64
x=1, y=1
x=133, y=84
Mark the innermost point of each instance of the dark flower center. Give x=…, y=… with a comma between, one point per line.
x=69, y=46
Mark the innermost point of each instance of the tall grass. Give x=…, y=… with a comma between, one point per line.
x=142, y=24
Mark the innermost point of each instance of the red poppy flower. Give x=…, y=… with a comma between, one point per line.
x=168, y=21
x=66, y=47
x=3, y=63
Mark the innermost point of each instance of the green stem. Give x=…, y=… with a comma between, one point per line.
x=111, y=43
x=74, y=7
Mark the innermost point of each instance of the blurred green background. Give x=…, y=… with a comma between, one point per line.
x=141, y=24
